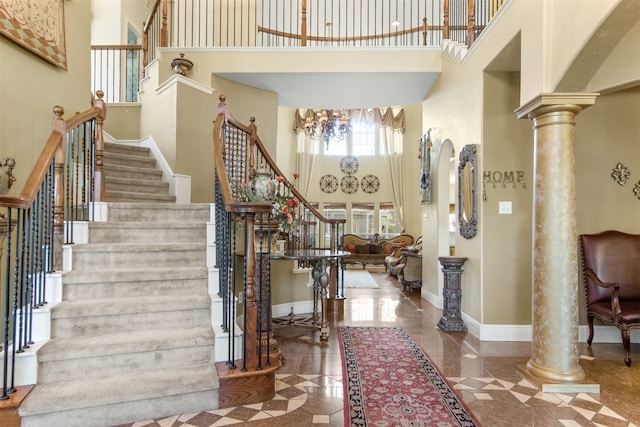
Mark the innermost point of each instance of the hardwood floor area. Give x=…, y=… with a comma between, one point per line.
x=309, y=389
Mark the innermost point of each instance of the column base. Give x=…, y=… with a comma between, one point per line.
x=449, y=325
x=548, y=386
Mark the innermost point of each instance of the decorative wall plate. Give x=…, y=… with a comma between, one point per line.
x=370, y=184
x=329, y=183
x=349, y=165
x=349, y=184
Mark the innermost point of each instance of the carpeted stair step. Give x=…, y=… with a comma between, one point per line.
x=128, y=160
x=133, y=283
x=110, y=315
x=149, y=232
x=104, y=402
x=70, y=359
x=122, y=171
x=129, y=255
x=135, y=185
x=132, y=150
x=133, y=197
x=154, y=212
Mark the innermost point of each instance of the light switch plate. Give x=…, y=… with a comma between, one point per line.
x=505, y=208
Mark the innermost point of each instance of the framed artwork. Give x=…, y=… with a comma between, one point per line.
x=426, y=182
x=36, y=25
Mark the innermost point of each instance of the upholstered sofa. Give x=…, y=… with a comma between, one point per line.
x=371, y=250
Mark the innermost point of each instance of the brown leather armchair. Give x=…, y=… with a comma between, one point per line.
x=611, y=271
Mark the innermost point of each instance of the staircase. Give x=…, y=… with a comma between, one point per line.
x=132, y=338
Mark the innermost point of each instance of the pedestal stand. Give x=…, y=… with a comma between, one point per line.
x=451, y=319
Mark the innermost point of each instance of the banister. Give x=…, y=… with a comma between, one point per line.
x=39, y=171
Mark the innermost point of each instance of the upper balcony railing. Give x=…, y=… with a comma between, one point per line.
x=286, y=23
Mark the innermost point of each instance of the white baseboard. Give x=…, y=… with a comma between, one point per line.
x=432, y=298
x=602, y=334
x=298, y=307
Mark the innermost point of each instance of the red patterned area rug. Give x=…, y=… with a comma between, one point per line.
x=390, y=381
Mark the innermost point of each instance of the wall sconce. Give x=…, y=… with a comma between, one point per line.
x=6, y=176
x=181, y=65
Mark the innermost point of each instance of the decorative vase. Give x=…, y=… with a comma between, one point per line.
x=262, y=187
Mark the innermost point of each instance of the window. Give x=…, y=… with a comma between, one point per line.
x=362, y=219
x=388, y=221
x=363, y=139
x=360, y=141
x=132, y=67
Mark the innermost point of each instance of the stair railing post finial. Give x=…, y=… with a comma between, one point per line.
x=99, y=195
x=58, y=124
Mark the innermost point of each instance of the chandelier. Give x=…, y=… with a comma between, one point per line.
x=328, y=125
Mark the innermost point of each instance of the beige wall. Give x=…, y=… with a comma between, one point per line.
x=605, y=134
x=194, y=144
x=123, y=121
x=30, y=87
x=507, y=240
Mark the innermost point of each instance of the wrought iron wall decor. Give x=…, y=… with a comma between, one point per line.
x=426, y=182
x=328, y=183
x=467, y=198
x=349, y=184
x=370, y=184
x=620, y=174
x=505, y=178
x=349, y=165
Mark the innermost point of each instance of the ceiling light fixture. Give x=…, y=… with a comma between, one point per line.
x=328, y=125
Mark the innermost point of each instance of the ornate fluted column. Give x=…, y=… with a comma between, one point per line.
x=555, y=302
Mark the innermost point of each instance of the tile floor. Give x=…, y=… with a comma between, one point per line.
x=484, y=374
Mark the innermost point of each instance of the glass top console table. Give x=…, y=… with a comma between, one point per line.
x=319, y=259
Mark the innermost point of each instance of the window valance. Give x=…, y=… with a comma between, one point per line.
x=378, y=116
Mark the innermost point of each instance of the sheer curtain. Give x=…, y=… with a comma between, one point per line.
x=306, y=152
x=391, y=143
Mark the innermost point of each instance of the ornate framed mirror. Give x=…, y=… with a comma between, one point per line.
x=467, y=197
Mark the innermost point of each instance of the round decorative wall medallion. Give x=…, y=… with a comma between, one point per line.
x=329, y=184
x=349, y=184
x=370, y=184
x=349, y=165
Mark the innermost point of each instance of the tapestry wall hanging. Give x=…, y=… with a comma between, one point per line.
x=37, y=25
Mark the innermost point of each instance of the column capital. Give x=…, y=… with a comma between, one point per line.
x=563, y=101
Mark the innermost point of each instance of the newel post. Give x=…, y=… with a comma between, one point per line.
x=99, y=175
x=58, y=124
x=251, y=306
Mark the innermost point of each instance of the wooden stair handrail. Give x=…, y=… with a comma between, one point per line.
x=53, y=150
